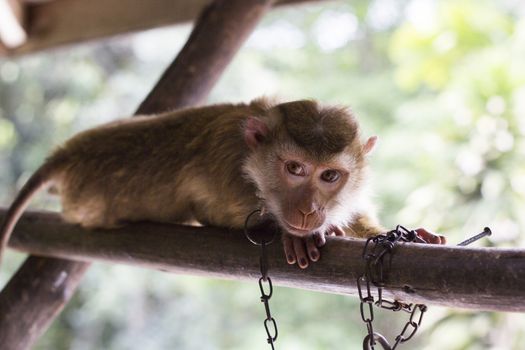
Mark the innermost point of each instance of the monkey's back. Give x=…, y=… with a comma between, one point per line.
x=175, y=167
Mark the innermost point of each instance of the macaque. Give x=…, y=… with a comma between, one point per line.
x=301, y=162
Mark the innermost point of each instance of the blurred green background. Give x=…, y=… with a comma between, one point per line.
x=442, y=83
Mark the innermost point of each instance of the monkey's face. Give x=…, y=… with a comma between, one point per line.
x=305, y=189
x=307, y=195
x=308, y=165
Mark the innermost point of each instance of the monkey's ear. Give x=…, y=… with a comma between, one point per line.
x=370, y=144
x=255, y=131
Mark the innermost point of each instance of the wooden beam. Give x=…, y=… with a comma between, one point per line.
x=12, y=23
x=460, y=277
x=35, y=308
x=61, y=22
x=31, y=285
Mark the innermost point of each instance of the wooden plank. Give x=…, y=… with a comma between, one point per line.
x=460, y=277
x=12, y=23
x=60, y=22
x=35, y=309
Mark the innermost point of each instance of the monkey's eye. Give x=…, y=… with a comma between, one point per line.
x=295, y=168
x=330, y=176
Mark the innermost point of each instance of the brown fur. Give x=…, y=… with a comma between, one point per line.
x=320, y=131
x=191, y=164
x=364, y=226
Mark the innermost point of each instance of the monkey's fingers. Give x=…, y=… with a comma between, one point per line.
x=431, y=237
x=288, y=249
x=300, y=252
x=338, y=231
x=311, y=247
x=319, y=239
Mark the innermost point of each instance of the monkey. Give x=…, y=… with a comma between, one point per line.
x=300, y=161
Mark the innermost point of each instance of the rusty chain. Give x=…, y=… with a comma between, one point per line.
x=262, y=234
x=377, y=254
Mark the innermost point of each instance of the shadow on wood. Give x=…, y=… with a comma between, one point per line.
x=477, y=278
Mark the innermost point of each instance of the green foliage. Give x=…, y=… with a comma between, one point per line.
x=442, y=83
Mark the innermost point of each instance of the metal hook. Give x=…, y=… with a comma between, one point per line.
x=368, y=344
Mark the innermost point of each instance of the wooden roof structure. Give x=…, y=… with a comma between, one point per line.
x=32, y=25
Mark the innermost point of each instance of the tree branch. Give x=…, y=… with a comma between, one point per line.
x=57, y=281
x=482, y=278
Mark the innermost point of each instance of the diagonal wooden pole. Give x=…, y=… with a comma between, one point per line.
x=42, y=286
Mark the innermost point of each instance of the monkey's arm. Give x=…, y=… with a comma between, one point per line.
x=364, y=226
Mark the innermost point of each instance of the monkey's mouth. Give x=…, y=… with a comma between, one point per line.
x=296, y=230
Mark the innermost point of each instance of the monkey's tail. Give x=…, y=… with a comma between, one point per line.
x=38, y=180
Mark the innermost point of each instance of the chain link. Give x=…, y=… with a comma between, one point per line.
x=378, y=256
x=376, y=267
x=259, y=235
x=401, y=338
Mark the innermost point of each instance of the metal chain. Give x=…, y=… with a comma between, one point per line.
x=258, y=235
x=378, y=256
x=376, y=251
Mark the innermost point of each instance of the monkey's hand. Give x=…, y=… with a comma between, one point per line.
x=430, y=237
x=305, y=249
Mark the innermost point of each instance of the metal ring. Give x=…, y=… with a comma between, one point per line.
x=250, y=238
x=370, y=341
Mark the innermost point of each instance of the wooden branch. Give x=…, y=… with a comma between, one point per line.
x=61, y=22
x=485, y=279
x=212, y=45
x=24, y=288
x=36, y=308
x=34, y=296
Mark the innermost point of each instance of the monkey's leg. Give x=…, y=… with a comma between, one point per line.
x=90, y=212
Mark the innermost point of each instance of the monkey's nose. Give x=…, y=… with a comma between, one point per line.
x=307, y=212
x=309, y=218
